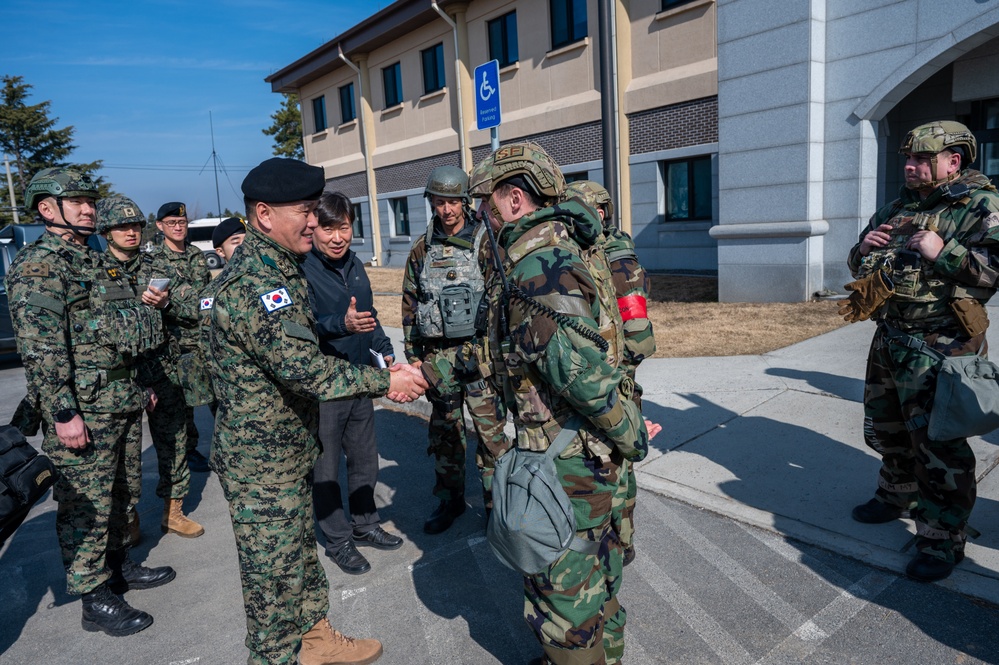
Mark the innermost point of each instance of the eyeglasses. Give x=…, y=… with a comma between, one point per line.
x=174, y=222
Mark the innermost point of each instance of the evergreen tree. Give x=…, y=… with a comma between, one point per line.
x=32, y=142
x=287, y=129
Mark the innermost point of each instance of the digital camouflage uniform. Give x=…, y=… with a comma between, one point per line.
x=936, y=479
x=550, y=365
x=80, y=333
x=189, y=275
x=269, y=376
x=449, y=362
x=632, y=288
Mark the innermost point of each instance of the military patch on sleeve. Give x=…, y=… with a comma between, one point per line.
x=276, y=299
x=206, y=303
x=36, y=269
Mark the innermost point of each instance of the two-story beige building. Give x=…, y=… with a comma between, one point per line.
x=753, y=138
x=391, y=98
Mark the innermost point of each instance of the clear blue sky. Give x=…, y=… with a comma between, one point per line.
x=138, y=79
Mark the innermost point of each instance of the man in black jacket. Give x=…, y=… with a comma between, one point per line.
x=340, y=295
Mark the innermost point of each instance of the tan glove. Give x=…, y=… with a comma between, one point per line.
x=869, y=293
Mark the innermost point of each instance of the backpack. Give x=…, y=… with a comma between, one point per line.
x=25, y=475
x=532, y=523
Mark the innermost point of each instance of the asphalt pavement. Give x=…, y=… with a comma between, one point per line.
x=746, y=549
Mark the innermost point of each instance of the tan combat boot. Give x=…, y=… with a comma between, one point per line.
x=174, y=520
x=323, y=645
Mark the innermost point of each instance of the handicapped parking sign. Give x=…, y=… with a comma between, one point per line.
x=487, y=95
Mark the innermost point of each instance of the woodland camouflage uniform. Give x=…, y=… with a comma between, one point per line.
x=632, y=288
x=935, y=479
x=550, y=371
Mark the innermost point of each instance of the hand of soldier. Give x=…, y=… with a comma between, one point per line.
x=406, y=383
x=877, y=238
x=652, y=428
x=73, y=434
x=152, y=401
x=927, y=243
x=358, y=322
x=155, y=297
x=389, y=360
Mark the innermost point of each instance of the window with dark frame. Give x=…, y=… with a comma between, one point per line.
x=392, y=78
x=503, y=39
x=347, y=112
x=984, y=124
x=568, y=21
x=433, y=69
x=687, y=184
x=670, y=4
x=400, y=215
x=319, y=113
x=358, y=221
x=573, y=177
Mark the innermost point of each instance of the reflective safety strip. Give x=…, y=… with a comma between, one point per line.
x=633, y=307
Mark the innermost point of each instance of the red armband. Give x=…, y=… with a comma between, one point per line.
x=632, y=307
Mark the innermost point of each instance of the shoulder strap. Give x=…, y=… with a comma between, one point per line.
x=564, y=437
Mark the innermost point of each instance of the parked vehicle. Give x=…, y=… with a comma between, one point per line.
x=199, y=234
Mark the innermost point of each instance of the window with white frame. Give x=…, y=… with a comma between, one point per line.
x=399, y=210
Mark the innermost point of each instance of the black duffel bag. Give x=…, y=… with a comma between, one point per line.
x=25, y=475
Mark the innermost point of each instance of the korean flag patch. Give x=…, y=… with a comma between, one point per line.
x=276, y=299
x=206, y=303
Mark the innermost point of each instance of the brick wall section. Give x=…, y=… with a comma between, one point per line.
x=688, y=123
x=410, y=175
x=354, y=185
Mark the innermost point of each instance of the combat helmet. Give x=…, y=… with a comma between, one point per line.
x=538, y=172
x=117, y=210
x=449, y=182
x=939, y=135
x=593, y=195
x=60, y=182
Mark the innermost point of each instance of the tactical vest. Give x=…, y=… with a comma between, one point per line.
x=121, y=320
x=915, y=280
x=540, y=413
x=451, y=286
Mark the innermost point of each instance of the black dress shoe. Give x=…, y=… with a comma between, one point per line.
x=350, y=560
x=444, y=516
x=197, y=462
x=378, y=537
x=104, y=611
x=629, y=555
x=126, y=575
x=928, y=568
x=878, y=512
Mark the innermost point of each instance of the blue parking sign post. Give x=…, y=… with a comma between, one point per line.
x=487, y=99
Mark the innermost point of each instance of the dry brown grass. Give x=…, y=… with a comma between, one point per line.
x=687, y=319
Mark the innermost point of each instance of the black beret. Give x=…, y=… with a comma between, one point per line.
x=283, y=180
x=227, y=228
x=172, y=209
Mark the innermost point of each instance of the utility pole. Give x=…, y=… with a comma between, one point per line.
x=10, y=190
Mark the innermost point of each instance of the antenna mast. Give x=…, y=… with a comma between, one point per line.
x=215, y=166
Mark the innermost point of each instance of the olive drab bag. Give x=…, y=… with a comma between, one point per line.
x=966, y=398
x=25, y=474
x=532, y=523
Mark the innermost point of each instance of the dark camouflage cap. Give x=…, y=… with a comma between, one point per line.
x=939, y=135
x=115, y=211
x=593, y=194
x=537, y=170
x=60, y=182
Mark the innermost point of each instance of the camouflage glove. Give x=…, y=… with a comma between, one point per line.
x=869, y=293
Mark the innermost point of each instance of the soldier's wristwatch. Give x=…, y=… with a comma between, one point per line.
x=64, y=416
